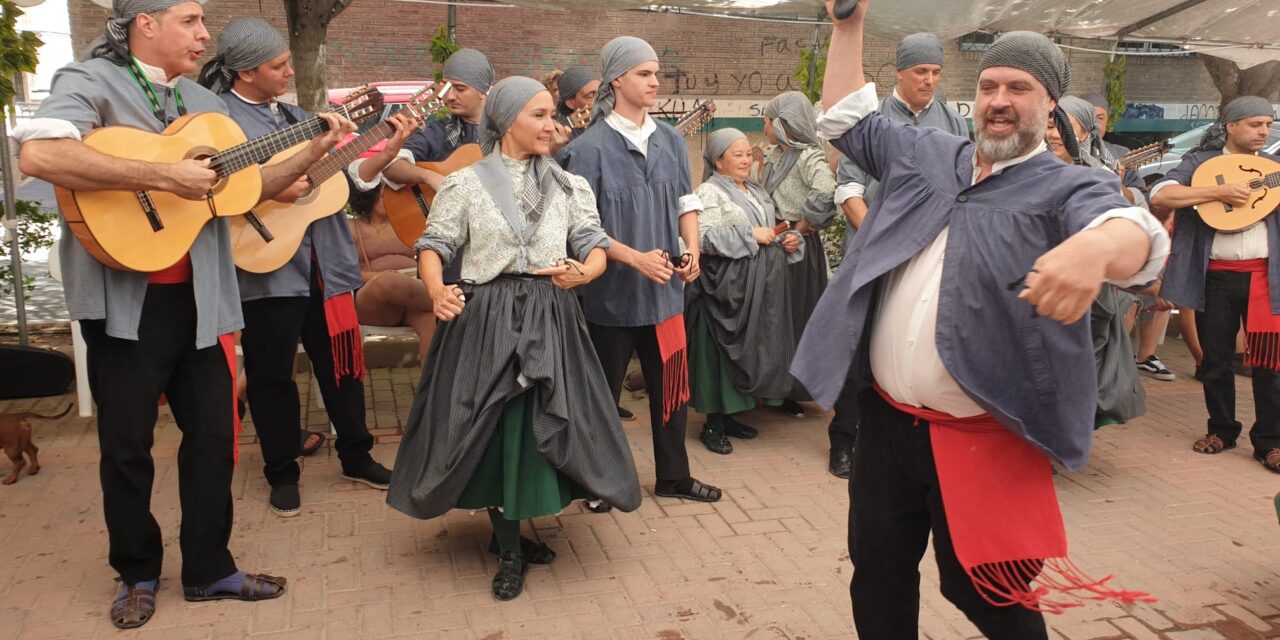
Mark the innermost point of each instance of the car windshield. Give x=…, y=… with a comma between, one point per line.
x=1183, y=143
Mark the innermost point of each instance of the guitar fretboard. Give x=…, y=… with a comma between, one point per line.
x=347, y=153
x=229, y=161
x=1269, y=181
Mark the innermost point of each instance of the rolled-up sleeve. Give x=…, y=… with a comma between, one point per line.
x=1157, y=238
x=353, y=171
x=838, y=120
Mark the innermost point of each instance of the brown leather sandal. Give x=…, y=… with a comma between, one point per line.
x=256, y=586
x=1211, y=445
x=1269, y=459
x=133, y=607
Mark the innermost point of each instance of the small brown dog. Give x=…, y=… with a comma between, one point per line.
x=15, y=439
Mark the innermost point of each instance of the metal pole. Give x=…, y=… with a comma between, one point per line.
x=453, y=23
x=11, y=226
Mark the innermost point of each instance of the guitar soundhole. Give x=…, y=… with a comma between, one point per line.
x=201, y=153
x=308, y=196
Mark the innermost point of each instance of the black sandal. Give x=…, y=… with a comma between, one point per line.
x=533, y=552
x=310, y=451
x=133, y=607
x=256, y=586
x=697, y=491
x=508, y=583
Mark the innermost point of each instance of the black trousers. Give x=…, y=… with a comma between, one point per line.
x=843, y=430
x=894, y=503
x=1226, y=304
x=614, y=346
x=127, y=378
x=272, y=327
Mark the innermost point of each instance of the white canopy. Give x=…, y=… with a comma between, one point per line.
x=1200, y=24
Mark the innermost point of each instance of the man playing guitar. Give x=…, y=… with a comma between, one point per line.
x=309, y=299
x=1227, y=278
x=161, y=333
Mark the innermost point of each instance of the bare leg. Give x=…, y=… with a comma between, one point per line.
x=1187, y=327
x=1149, y=334
x=424, y=324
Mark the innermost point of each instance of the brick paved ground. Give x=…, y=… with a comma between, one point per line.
x=767, y=562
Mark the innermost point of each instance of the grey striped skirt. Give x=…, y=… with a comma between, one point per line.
x=516, y=332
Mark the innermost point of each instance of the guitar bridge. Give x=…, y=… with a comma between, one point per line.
x=1220, y=179
x=149, y=209
x=257, y=225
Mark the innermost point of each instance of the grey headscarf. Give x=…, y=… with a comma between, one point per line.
x=1040, y=57
x=572, y=81
x=243, y=45
x=469, y=67
x=1096, y=99
x=795, y=111
x=523, y=206
x=618, y=56
x=114, y=43
x=1096, y=152
x=1215, y=137
x=717, y=144
x=919, y=48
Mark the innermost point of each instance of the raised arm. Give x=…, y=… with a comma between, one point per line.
x=844, y=73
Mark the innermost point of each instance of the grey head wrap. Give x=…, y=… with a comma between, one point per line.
x=1241, y=108
x=1039, y=56
x=793, y=110
x=572, y=81
x=919, y=48
x=244, y=44
x=717, y=144
x=114, y=43
x=617, y=57
x=522, y=206
x=1096, y=152
x=471, y=68
x=1096, y=99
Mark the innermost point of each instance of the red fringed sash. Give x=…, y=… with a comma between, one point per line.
x=344, y=337
x=345, y=344
x=228, y=343
x=1002, y=511
x=1263, y=331
x=673, y=347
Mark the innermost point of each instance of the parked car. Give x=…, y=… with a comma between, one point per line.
x=1183, y=143
x=394, y=94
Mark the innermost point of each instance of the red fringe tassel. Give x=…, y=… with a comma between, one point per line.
x=346, y=344
x=1030, y=583
x=673, y=347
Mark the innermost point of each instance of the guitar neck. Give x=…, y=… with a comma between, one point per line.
x=260, y=149
x=347, y=153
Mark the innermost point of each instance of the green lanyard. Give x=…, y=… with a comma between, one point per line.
x=145, y=85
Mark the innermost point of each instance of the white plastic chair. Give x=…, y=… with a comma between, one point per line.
x=80, y=354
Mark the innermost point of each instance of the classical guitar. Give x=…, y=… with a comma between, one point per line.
x=1261, y=175
x=152, y=230
x=408, y=208
x=1143, y=155
x=694, y=119
x=579, y=119
x=286, y=224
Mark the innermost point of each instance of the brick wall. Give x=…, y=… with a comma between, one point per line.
x=387, y=40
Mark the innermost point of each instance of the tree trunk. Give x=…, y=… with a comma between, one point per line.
x=1259, y=80
x=308, y=31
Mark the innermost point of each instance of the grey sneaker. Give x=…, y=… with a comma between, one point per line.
x=1153, y=368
